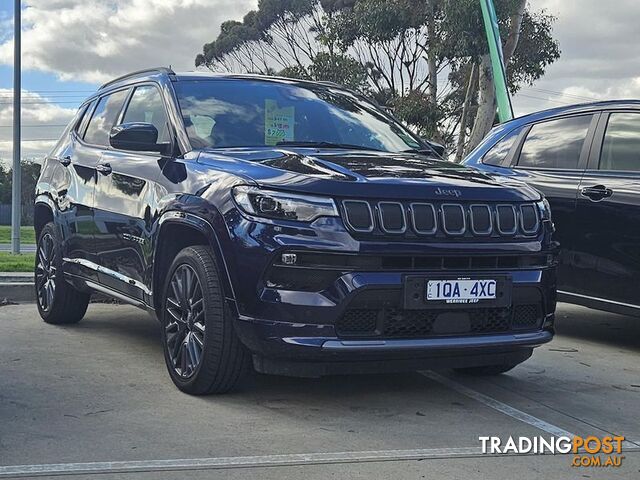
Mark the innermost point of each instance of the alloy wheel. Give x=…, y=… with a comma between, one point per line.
x=185, y=321
x=46, y=272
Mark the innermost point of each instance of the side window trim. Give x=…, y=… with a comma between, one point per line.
x=125, y=106
x=584, y=152
x=514, y=153
x=598, y=142
x=97, y=101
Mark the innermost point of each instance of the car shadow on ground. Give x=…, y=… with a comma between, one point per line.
x=597, y=326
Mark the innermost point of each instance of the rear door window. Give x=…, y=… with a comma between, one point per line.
x=621, y=144
x=555, y=144
x=104, y=118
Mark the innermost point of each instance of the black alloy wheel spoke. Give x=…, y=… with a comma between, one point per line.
x=46, y=272
x=185, y=327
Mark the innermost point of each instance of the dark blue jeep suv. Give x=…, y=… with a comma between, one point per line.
x=289, y=225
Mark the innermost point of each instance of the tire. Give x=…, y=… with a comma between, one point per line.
x=58, y=302
x=201, y=349
x=487, y=370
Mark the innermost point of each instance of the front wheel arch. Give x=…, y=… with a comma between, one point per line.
x=178, y=231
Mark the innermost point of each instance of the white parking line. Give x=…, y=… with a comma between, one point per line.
x=498, y=405
x=235, y=462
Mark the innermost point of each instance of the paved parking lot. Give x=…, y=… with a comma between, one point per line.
x=98, y=392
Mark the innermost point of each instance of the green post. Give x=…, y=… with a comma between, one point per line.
x=505, y=110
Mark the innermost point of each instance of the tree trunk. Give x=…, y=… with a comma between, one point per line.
x=486, y=104
x=431, y=58
x=515, y=22
x=464, y=119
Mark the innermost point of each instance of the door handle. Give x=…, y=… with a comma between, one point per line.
x=596, y=192
x=104, y=168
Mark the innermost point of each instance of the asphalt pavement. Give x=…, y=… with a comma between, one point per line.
x=93, y=400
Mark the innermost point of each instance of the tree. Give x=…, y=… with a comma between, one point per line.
x=425, y=59
x=30, y=172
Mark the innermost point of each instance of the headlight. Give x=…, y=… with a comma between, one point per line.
x=284, y=206
x=545, y=209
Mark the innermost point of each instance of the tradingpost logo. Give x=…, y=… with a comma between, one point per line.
x=591, y=451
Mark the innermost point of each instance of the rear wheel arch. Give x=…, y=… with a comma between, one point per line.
x=42, y=214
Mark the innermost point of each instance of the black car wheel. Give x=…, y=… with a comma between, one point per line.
x=58, y=302
x=201, y=349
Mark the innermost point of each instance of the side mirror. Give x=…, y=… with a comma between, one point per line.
x=437, y=147
x=137, y=136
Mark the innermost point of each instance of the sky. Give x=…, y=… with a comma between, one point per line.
x=71, y=46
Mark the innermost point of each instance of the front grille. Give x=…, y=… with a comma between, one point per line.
x=345, y=262
x=378, y=313
x=441, y=220
x=400, y=323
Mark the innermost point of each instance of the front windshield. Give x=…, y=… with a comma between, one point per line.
x=258, y=113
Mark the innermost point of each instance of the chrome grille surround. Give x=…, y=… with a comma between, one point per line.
x=460, y=208
x=403, y=214
x=448, y=219
x=500, y=220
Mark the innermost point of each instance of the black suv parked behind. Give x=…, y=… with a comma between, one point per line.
x=288, y=224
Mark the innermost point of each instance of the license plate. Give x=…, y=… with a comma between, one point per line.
x=461, y=291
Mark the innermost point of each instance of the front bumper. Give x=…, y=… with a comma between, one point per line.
x=294, y=322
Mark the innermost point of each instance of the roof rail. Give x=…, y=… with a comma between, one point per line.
x=166, y=70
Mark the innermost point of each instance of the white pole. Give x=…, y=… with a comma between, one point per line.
x=16, y=201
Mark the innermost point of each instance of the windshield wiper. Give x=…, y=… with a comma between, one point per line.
x=345, y=146
x=421, y=151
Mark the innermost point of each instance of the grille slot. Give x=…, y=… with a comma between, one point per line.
x=507, y=220
x=424, y=218
x=453, y=219
x=358, y=215
x=528, y=219
x=392, y=218
x=480, y=216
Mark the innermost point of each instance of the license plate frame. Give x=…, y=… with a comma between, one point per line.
x=415, y=292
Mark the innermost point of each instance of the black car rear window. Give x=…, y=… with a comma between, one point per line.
x=555, y=144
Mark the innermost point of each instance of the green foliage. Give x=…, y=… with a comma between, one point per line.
x=340, y=69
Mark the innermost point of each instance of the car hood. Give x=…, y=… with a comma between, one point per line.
x=364, y=174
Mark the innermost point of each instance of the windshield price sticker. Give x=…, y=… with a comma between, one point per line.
x=278, y=123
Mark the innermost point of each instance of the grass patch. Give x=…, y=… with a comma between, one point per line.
x=27, y=234
x=17, y=263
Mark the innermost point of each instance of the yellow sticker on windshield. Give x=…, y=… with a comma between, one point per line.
x=278, y=123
